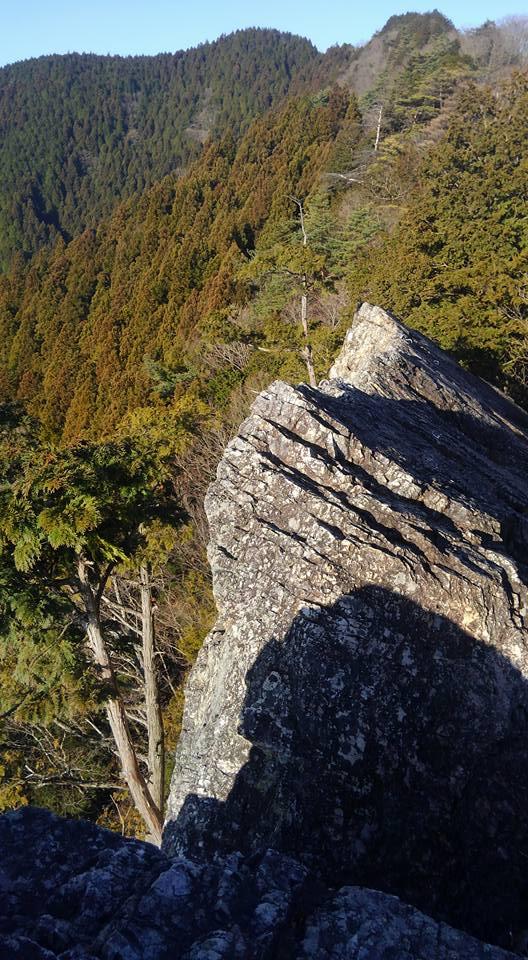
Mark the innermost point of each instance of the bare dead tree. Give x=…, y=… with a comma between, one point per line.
x=307, y=352
x=345, y=177
x=378, y=129
x=98, y=650
x=154, y=717
x=235, y=354
x=130, y=610
x=65, y=754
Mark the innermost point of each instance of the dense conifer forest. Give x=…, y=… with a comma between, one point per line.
x=82, y=131
x=162, y=221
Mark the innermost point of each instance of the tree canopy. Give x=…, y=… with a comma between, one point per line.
x=79, y=132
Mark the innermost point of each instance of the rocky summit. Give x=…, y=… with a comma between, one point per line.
x=361, y=703
x=351, y=782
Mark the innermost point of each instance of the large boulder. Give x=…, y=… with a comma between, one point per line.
x=361, y=704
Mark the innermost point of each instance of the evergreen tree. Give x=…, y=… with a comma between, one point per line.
x=80, y=132
x=69, y=518
x=455, y=267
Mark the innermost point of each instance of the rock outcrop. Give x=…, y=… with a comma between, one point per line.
x=72, y=891
x=357, y=718
x=361, y=704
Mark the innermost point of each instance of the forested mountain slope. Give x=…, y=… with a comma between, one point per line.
x=130, y=333
x=457, y=264
x=140, y=312
x=79, y=132
x=88, y=329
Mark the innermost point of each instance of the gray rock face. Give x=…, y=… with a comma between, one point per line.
x=71, y=891
x=361, y=705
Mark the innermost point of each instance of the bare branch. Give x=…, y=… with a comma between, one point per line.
x=343, y=176
x=378, y=130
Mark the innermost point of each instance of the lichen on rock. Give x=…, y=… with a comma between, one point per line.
x=361, y=703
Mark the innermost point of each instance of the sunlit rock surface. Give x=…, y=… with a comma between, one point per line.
x=361, y=704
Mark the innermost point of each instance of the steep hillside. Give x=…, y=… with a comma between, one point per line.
x=80, y=132
x=352, y=776
x=456, y=265
x=141, y=311
x=90, y=328
x=160, y=323
x=402, y=54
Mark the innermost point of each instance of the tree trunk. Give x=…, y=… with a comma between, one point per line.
x=115, y=710
x=378, y=129
x=307, y=352
x=156, y=746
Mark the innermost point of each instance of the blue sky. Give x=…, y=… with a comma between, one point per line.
x=34, y=27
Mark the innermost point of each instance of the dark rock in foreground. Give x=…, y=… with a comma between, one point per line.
x=72, y=891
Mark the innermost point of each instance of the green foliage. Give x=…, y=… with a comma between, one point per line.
x=104, y=502
x=456, y=266
x=304, y=256
x=92, y=499
x=421, y=65
x=65, y=510
x=79, y=132
x=143, y=341
x=86, y=342
x=426, y=82
x=166, y=379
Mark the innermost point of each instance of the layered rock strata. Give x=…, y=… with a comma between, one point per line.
x=357, y=718
x=361, y=704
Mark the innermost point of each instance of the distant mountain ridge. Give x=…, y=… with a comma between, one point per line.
x=80, y=132
x=388, y=52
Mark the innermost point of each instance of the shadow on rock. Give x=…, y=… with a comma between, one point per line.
x=476, y=462
x=389, y=751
